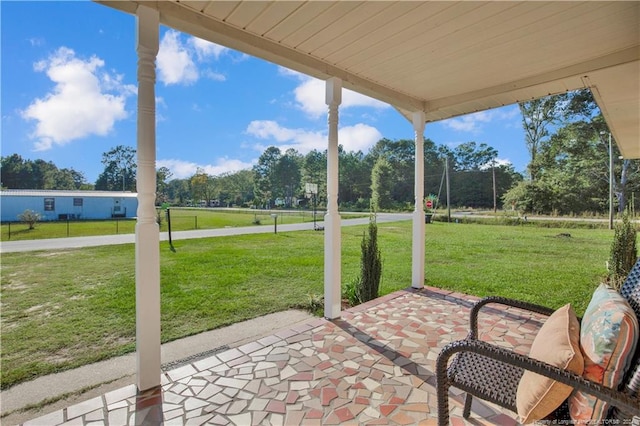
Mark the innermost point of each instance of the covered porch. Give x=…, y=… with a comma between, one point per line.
x=375, y=365
x=430, y=60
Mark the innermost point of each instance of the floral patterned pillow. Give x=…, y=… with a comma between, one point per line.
x=608, y=338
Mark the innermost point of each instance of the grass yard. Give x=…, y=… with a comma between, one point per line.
x=67, y=308
x=182, y=219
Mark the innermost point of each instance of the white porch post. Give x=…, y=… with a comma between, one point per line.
x=418, y=241
x=332, y=242
x=147, y=232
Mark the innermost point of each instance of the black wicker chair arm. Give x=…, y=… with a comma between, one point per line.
x=475, y=310
x=614, y=397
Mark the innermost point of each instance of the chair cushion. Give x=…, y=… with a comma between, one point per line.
x=557, y=343
x=608, y=339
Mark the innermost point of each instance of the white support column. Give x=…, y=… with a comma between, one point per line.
x=147, y=232
x=332, y=241
x=418, y=240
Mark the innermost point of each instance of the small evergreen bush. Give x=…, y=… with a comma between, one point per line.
x=624, y=252
x=368, y=283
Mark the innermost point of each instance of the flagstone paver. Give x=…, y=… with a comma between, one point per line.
x=375, y=365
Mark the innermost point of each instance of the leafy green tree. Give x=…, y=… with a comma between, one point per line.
x=530, y=197
x=354, y=186
x=236, y=188
x=473, y=174
x=572, y=164
x=64, y=179
x=287, y=175
x=19, y=173
x=400, y=155
x=163, y=174
x=203, y=187
x=537, y=116
x=15, y=172
x=314, y=170
x=119, y=170
x=264, y=174
x=471, y=156
x=381, y=185
x=582, y=108
x=178, y=191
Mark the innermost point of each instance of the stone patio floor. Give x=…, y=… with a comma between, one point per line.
x=374, y=366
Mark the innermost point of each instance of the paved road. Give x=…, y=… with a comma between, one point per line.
x=104, y=240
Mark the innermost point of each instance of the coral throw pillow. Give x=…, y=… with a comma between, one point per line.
x=557, y=343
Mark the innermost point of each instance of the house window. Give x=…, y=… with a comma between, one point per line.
x=77, y=202
x=49, y=204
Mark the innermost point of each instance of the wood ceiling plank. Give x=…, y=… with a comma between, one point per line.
x=379, y=39
x=272, y=16
x=197, y=5
x=296, y=20
x=318, y=25
x=346, y=22
x=434, y=44
x=377, y=27
x=220, y=9
x=242, y=15
x=411, y=36
x=514, y=55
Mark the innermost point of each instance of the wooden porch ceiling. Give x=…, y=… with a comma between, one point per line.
x=444, y=58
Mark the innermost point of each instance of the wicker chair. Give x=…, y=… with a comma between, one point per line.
x=492, y=373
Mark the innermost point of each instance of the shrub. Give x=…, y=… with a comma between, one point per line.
x=350, y=291
x=29, y=217
x=624, y=252
x=368, y=282
x=315, y=304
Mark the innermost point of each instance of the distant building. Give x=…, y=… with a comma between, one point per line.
x=63, y=205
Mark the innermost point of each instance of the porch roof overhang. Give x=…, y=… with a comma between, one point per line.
x=444, y=58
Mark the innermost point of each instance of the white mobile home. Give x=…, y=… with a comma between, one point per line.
x=63, y=205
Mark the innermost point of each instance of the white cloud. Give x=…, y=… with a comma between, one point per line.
x=503, y=162
x=360, y=137
x=470, y=122
x=83, y=102
x=352, y=138
x=310, y=97
x=498, y=162
x=184, y=169
x=214, y=75
x=473, y=123
x=175, y=62
x=291, y=73
x=36, y=41
x=205, y=49
x=300, y=139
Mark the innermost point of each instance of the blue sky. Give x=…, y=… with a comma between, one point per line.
x=69, y=84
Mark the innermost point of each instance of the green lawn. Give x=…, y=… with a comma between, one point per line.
x=182, y=219
x=66, y=308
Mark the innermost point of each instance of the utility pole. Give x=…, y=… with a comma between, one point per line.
x=446, y=173
x=493, y=170
x=610, y=181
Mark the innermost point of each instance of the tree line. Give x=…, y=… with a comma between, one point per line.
x=568, y=172
x=566, y=137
